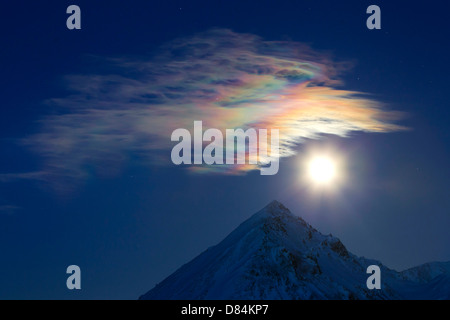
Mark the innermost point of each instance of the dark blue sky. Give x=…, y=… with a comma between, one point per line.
x=129, y=230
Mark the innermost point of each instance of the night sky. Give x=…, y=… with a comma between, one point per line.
x=117, y=207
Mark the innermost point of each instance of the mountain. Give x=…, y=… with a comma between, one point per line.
x=277, y=255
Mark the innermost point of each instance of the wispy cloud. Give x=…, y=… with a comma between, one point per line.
x=225, y=79
x=8, y=209
x=36, y=175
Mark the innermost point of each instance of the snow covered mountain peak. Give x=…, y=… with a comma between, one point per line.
x=277, y=208
x=277, y=217
x=277, y=255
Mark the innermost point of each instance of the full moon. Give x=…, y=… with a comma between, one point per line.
x=322, y=170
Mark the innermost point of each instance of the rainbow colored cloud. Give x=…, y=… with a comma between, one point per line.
x=225, y=79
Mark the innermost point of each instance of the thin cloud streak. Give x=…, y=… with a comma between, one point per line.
x=8, y=209
x=11, y=177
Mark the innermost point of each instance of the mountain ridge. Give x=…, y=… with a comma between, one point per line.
x=277, y=255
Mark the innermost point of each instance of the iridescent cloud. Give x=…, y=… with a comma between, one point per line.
x=225, y=79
